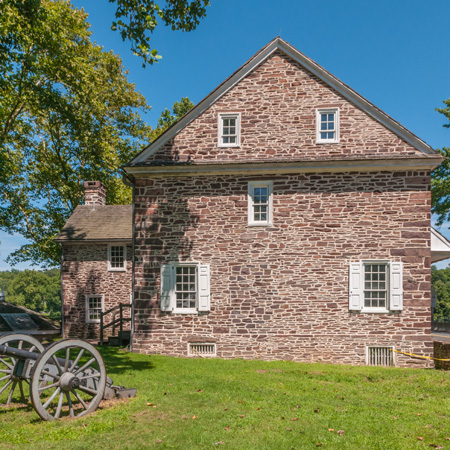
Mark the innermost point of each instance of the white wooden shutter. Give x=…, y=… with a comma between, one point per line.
x=356, y=287
x=167, y=287
x=396, y=286
x=204, y=303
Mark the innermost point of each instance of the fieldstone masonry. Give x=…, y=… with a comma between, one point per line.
x=281, y=292
x=85, y=272
x=94, y=193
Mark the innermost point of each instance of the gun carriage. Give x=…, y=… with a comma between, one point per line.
x=66, y=379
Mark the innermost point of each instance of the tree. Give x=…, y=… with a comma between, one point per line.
x=67, y=114
x=136, y=20
x=440, y=181
x=36, y=290
x=167, y=118
x=440, y=280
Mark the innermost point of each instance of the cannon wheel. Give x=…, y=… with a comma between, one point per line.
x=76, y=380
x=8, y=381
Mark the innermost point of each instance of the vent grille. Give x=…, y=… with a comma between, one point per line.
x=380, y=356
x=202, y=349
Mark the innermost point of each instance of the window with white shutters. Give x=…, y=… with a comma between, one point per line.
x=376, y=286
x=185, y=288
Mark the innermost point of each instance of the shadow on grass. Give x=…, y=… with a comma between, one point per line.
x=15, y=407
x=119, y=361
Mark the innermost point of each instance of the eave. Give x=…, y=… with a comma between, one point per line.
x=280, y=167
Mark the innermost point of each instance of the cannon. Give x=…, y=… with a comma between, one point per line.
x=66, y=379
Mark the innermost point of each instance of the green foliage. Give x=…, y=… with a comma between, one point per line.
x=36, y=290
x=440, y=280
x=440, y=181
x=67, y=114
x=167, y=118
x=137, y=20
x=186, y=403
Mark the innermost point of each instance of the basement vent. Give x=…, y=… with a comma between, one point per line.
x=203, y=349
x=380, y=356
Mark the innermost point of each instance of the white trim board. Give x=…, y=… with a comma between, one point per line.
x=249, y=168
x=440, y=246
x=311, y=66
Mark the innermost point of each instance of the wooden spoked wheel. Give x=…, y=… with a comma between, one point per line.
x=9, y=381
x=68, y=380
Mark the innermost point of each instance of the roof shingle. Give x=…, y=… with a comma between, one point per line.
x=98, y=223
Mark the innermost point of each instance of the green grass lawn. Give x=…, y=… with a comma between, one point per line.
x=235, y=404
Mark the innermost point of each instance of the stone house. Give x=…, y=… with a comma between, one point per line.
x=96, y=264
x=283, y=217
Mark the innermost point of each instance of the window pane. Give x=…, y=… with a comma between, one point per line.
x=186, y=287
x=375, y=291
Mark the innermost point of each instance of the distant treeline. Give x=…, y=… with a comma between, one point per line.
x=39, y=290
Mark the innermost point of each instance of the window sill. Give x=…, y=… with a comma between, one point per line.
x=93, y=321
x=117, y=270
x=185, y=311
x=327, y=142
x=375, y=311
x=229, y=146
x=260, y=224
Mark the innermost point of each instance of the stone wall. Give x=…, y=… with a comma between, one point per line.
x=85, y=272
x=281, y=292
x=442, y=351
x=278, y=102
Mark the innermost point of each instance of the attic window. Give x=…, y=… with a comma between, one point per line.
x=327, y=125
x=229, y=130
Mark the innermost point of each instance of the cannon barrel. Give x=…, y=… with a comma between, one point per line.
x=5, y=350
x=18, y=353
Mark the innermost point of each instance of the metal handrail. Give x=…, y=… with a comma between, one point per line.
x=119, y=320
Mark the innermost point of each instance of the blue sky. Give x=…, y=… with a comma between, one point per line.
x=394, y=53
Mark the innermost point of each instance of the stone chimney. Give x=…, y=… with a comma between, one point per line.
x=94, y=193
x=2, y=294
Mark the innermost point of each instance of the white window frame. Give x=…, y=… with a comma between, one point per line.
x=185, y=310
x=230, y=115
x=334, y=111
x=251, y=210
x=388, y=290
x=87, y=297
x=117, y=269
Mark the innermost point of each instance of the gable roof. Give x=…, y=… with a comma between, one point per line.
x=279, y=44
x=99, y=223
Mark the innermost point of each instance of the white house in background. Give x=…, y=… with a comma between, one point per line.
x=440, y=246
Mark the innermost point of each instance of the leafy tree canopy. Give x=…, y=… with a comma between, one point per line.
x=36, y=290
x=67, y=114
x=440, y=280
x=440, y=182
x=136, y=21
